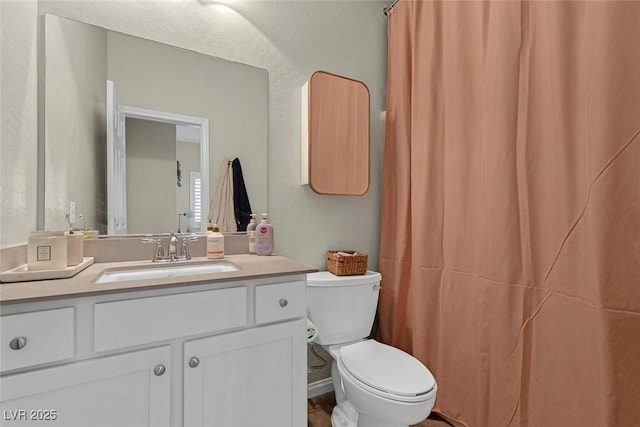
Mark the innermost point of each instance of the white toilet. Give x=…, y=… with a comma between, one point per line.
x=376, y=385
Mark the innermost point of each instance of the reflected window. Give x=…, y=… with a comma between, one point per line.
x=195, y=200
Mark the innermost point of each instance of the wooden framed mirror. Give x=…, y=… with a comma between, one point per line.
x=335, y=134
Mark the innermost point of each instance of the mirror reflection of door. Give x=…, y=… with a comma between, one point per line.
x=161, y=195
x=157, y=170
x=116, y=162
x=189, y=197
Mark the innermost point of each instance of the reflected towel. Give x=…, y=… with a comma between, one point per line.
x=242, y=206
x=221, y=209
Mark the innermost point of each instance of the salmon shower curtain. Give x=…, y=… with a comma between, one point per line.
x=510, y=247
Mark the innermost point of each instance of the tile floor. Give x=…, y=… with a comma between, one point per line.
x=319, y=413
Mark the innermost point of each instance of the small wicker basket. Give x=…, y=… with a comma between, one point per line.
x=346, y=263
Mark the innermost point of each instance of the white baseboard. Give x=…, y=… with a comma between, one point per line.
x=319, y=387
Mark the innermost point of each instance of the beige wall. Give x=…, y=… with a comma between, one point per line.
x=151, y=177
x=290, y=39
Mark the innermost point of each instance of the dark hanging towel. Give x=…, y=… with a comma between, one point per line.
x=241, y=205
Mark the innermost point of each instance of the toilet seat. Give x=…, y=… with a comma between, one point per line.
x=386, y=371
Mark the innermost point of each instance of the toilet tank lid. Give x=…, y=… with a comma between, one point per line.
x=326, y=278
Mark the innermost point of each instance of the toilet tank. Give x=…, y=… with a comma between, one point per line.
x=342, y=307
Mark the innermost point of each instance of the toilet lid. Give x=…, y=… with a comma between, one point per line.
x=386, y=368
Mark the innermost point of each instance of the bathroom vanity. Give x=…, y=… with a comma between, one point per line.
x=225, y=349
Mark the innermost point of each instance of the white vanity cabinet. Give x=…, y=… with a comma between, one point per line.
x=255, y=377
x=230, y=383
x=131, y=389
x=227, y=354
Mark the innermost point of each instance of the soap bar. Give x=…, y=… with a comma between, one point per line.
x=47, y=250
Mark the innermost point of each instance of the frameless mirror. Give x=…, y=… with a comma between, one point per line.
x=150, y=76
x=335, y=135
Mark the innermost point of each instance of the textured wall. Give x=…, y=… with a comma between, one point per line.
x=18, y=120
x=289, y=39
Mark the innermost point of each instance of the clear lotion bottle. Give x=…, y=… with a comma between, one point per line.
x=264, y=236
x=251, y=233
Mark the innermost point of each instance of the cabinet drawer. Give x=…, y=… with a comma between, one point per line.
x=280, y=301
x=30, y=339
x=145, y=320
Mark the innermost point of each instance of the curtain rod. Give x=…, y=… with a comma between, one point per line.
x=388, y=8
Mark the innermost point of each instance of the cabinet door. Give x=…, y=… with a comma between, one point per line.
x=335, y=134
x=121, y=390
x=255, y=377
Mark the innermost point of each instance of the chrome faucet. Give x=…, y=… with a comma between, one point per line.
x=172, y=253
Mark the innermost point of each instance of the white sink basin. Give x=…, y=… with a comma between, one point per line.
x=161, y=271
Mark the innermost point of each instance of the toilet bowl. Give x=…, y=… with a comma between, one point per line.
x=376, y=385
x=387, y=387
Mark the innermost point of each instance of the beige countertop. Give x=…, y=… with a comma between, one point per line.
x=83, y=283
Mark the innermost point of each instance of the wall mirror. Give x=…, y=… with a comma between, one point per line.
x=335, y=134
x=150, y=76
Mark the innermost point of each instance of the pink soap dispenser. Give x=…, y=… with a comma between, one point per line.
x=264, y=236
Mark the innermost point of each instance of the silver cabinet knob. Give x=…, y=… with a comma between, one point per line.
x=159, y=370
x=194, y=362
x=283, y=302
x=18, y=343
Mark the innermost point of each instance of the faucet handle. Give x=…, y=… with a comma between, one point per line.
x=173, y=242
x=159, y=250
x=184, y=248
